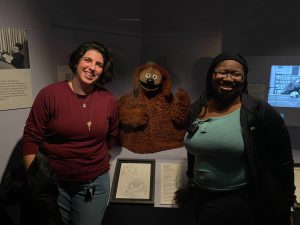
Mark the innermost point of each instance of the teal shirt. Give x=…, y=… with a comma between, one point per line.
x=219, y=152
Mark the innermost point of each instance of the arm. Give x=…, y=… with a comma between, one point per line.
x=28, y=160
x=190, y=169
x=192, y=115
x=132, y=112
x=183, y=193
x=34, y=129
x=279, y=154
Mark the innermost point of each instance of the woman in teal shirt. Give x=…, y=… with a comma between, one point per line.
x=240, y=163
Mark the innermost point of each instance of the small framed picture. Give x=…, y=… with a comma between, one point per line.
x=133, y=181
x=297, y=184
x=63, y=73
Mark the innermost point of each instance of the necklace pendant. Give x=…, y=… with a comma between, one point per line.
x=84, y=105
x=89, y=124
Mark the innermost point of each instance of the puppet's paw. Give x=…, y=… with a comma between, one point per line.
x=134, y=118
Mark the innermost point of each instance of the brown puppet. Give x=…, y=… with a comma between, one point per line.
x=152, y=119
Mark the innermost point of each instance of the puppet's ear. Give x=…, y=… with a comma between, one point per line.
x=136, y=90
x=136, y=83
x=167, y=85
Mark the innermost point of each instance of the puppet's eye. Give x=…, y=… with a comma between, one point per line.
x=148, y=75
x=154, y=76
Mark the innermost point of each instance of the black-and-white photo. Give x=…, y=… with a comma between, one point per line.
x=13, y=49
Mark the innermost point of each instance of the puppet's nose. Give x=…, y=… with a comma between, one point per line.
x=150, y=81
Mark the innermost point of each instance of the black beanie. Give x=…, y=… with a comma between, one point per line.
x=225, y=56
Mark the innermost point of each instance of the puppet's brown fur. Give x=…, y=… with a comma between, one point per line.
x=156, y=122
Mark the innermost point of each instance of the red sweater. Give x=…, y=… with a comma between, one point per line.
x=57, y=124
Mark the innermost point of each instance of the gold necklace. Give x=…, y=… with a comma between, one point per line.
x=89, y=121
x=84, y=102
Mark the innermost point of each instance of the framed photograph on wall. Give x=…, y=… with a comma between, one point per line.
x=297, y=184
x=133, y=181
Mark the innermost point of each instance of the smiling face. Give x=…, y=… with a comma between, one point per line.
x=228, y=79
x=15, y=49
x=89, y=67
x=150, y=79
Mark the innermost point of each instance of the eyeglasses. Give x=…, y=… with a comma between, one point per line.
x=233, y=74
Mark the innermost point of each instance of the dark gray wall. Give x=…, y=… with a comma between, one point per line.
x=126, y=50
x=262, y=28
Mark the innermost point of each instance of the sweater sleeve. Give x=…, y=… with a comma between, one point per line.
x=35, y=125
x=281, y=160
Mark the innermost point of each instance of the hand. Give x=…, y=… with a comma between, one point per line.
x=183, y=193
x=28, y=159
x=133, y=112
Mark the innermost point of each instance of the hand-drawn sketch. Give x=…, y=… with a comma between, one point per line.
x=134, y=177
x=133, y=181
x=129, y=171
x=136, y=188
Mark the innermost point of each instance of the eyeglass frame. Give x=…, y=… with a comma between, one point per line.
x=233, y=74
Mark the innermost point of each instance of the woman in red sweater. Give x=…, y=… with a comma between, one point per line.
x=74, y=122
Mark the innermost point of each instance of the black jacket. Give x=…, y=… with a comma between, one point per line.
x=269, y=154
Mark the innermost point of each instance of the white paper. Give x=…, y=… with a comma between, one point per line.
x=297, y=183
x=170, y=181
x=134, y=181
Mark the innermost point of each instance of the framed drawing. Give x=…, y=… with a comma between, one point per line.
x=297, y=184
x=133, y=181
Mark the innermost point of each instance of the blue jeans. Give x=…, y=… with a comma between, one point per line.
x=75, y=209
